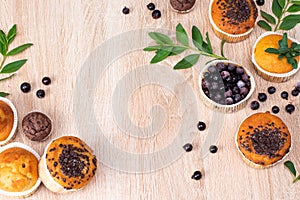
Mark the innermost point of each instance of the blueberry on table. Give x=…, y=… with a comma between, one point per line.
x=46, y=81
x=40, y=93
x=275, y=109
x=290, y=108
x=260, y=2
x=156, y=14
x=271, y=90
x=201, y=126
x=25, y=87
x=188, y=147
x=213, y=149
x=125, y=10
x=262, y=97
x=151, y=6
x=254, y=105
x=197, y=175
x=295, y=92
x=284, y=95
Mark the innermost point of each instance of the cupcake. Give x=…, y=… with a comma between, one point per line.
x=225, y=86
x=8, y=121
x=233, y=21
x=268, y=65
x=18, y=170
x=36, y=126
x=67, y=165
x=263, y=140
x=182, y=6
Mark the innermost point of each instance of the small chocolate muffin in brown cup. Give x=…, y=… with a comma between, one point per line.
x=36, y=126
x=182, y=6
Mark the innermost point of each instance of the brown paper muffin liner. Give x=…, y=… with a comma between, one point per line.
x=15, y=124
x=31, y=191
x=273, y=77
x=231, y=38
x=249, y=162
x=225, y=108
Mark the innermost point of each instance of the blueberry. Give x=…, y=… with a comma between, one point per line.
x=156, y=14
x=201, y=126
x=239, y=70
x=254, y=105
x=290, y=108
x=188, y=147
x=260, y=2
x=295, y=92
x=275, y=109
x=213, y=149
x=46, y=81
x=25, y=87
x=151, y=6
x=229, y=101
x=284, y=95
x=262, y=97
x=271, y=90
x=40, y=93
x=197, y=175
x=125, y=10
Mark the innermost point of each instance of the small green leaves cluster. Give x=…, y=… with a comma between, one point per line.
x=165, y=47
x=284, y=51
x=5, y=41
x=291, y=168
x=279, y=19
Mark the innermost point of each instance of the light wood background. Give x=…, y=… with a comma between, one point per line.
x=64, y=33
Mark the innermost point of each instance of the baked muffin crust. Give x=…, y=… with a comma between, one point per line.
x=6, y=120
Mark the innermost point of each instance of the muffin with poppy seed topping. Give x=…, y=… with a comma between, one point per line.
x=68, y=164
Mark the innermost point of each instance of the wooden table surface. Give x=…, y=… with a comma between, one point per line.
x=65, y=33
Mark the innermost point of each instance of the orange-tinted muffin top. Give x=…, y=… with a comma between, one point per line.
x=6, y=120
x=18, y=170
x=271, y=62
x=263, y=139
x=70, y=162
x=234, y=16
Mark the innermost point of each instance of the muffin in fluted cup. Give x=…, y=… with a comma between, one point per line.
x=67, y=165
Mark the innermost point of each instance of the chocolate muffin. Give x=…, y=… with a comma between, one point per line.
x=36, y=126
x=182, y=6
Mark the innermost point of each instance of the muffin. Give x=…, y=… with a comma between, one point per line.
x=36, y=126
x=8, y=121
x=67, y=165
x=182, y=6
x=268, y=65
x=18, y=170
x=233, y=21
x=225, y=86
x=263, y=140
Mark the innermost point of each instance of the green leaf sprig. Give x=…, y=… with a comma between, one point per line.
x=291, y=168
x=282, y=21
x=284, y=51
x=10, y=68
x=166, y=47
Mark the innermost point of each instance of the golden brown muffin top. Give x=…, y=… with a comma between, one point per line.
x=263, y=139
x=271, y=62
x=18, y=170
x=70, y=162
x=6, y=120
x=234, y=16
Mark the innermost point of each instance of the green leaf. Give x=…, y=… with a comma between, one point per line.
x=263, y=24
x=161, y=55
x=2, y=49
x=292, y=17
x=283, y=43
x=3, y=79
x=281, y=3
x=268, y=17
x=272, y=50
x=283, y=50
x=3, y=38
x=291, y=167
x=207, y=47
x=197, y=37
x=295, y=64
x=296, y=179
x=296, y=2
x=281, y=56
x=277, y=9
x=187, y=62
x=13, y=67
x=12, y=34
x=297, y=48
x=294, y=8
x=3, y=94
x=19, y=49
x=288, y=24
x=177, y=50
x=222, y=47
x=160, y=38
x=152, y=48
x=181, y=35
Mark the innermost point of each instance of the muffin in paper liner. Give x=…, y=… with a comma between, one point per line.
x=228, y=37
x=183, y=10
x=38, y=181
x=270, y=76
x=54, y=172
x=12, y=133
x=219, y=107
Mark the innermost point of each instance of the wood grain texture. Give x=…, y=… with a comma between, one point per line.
x=64, y=34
